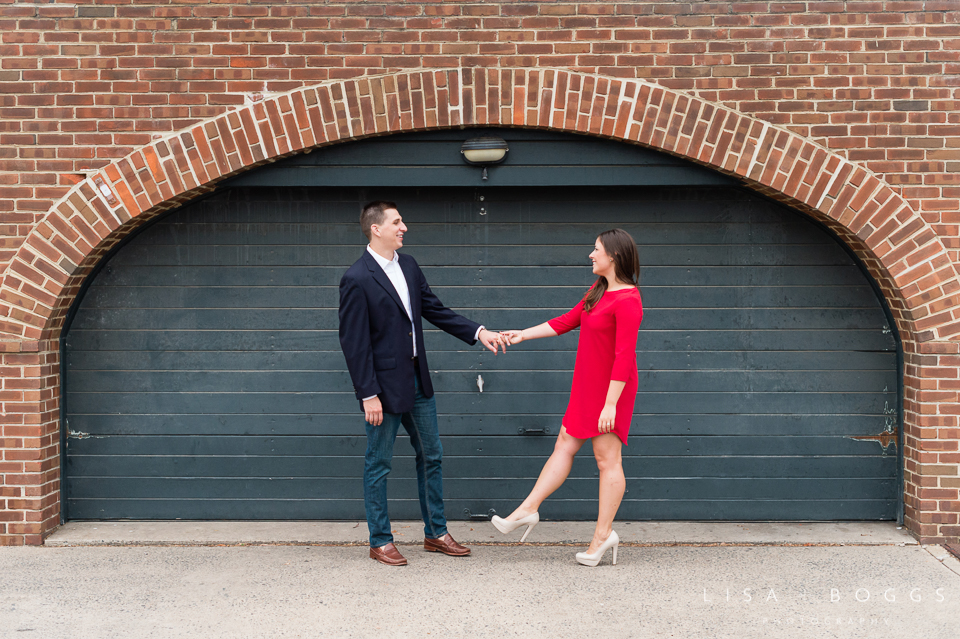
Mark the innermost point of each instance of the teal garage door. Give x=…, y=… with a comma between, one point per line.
x=203, y=377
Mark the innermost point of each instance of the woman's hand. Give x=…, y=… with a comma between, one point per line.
x=512, y=337
x=607, y=418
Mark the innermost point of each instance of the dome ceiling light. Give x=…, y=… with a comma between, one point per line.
x=484, y=151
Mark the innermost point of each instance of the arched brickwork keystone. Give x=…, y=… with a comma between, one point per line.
x=903, y=253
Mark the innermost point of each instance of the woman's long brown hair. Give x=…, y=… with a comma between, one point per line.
x=621, y=248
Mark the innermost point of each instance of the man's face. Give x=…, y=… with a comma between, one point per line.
x=391, y=231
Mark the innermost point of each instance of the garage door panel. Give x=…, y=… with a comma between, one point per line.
x=210, y=319
x=688, y=341
x=316, y=343
x=176, y=276
x=245, y=508
x=533, y=236
x=524, y=358
x=228, y=448
x=693, y=509
x=213, y=423
x=294, y=318
x=744, y=298
x=729, y=339
x=441, y=256
x=642, y=469
x=667, y=381
x=871, y=340
x=349, y=424
x=713, y=488
x=228, y=403
x=254, y=361
x=296, y=488
x=261, y=381
x=462, y=400
x=528, y=381
x=310, y=341
x=521, y=359
x=232, y=487
x=460, y=206
x=467, y=296
x=236, y=299
x=747, y=510
x=651, y=276
x=234, y=215
x=543, y=238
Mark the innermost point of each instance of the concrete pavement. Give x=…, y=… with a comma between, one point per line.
x=886, y=587
x=231, y=533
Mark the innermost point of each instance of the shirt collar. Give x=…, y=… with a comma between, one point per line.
x=383, y=262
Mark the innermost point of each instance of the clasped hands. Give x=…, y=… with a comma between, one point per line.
x=500, y=340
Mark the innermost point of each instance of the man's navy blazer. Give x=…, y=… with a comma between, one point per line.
x=375, y=331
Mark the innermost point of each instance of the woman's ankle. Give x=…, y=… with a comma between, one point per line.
x=522, y=511
x=602, y=536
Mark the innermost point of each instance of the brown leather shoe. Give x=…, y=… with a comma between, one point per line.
x=447, y=545
x=388, y=555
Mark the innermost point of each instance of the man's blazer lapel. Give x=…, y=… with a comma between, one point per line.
x=383, y=280
x=413, y=285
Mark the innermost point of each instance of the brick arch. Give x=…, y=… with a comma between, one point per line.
x=904, y=255
x=900, y=249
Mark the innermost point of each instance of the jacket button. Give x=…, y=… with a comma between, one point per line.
x=412, y=358
x=409, y=334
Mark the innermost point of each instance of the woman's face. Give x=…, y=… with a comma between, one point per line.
x=602, y=264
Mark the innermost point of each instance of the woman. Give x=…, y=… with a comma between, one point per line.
x=603, y=391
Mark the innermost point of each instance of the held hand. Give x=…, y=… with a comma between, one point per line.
x=607, y=418
x=493, y=340
x=512, y=337
x=373, y=411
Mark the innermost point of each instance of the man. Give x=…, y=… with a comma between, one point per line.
x=383, y=298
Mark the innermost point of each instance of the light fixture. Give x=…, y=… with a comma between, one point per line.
x=484, y=151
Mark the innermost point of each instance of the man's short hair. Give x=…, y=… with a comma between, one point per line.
x=373, y=213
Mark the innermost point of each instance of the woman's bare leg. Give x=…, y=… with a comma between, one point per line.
x=552, y=476
x=606, y=448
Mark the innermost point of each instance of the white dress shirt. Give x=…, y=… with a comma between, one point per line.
x=395, y=273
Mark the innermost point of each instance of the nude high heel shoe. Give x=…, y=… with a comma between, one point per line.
x=613, y=541
x=505, y=526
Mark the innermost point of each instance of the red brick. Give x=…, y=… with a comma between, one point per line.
x=865, y=80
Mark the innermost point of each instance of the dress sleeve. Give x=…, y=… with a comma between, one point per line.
x=568, y=321
x=627, y=316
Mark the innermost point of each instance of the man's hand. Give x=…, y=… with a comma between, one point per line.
x=492, y=340
x=373, y=411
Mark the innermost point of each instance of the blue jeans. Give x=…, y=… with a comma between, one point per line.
x=421, y=424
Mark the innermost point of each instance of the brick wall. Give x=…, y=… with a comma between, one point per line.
x=30, y=441
x=104, y=94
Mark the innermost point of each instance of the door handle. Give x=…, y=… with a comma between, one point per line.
x=533, y=431
x=479, y=516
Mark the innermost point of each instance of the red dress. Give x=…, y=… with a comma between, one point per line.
x=607, y=351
